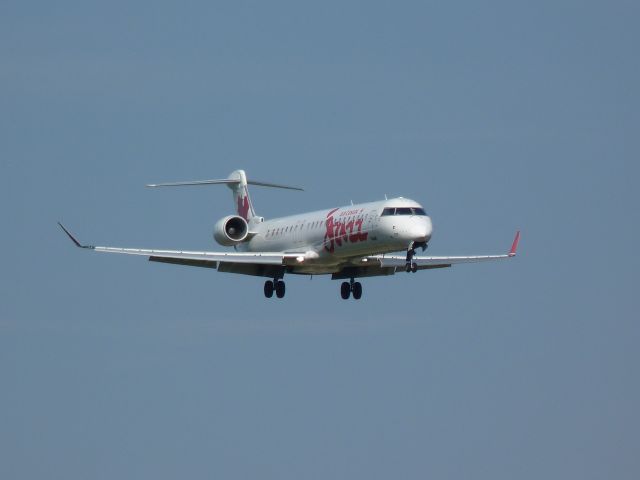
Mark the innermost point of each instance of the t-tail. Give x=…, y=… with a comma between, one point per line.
x=238, y=183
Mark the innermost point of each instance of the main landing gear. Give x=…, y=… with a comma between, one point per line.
x=348, y=288
x=275, y=285
x=411, y=266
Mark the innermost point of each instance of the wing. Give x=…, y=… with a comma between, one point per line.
x=377, y=265
x=440, y=262
x=261, y=263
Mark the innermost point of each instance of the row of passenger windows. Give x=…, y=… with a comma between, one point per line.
x=403, y=211
x=309, y=226
x=306, y=226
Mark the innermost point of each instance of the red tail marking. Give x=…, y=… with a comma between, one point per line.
x=243, y=207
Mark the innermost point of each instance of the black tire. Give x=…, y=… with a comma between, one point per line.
x=268, y=289
x=345, y=290
x=280, y=289
x=414, y=267
x=407, y=268
x=357, y=290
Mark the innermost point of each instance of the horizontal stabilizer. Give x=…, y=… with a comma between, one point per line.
x=228, y=181
x=194, y=182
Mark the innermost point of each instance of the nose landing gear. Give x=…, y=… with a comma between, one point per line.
x=411, y=251
x=351, y=287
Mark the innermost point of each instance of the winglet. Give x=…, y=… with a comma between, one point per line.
x=514, y=245
x=74, y=239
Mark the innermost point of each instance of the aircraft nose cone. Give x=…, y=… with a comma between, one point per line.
x=422, y=230
x=428, y=229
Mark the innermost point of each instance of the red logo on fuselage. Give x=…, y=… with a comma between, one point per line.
x=342, y=230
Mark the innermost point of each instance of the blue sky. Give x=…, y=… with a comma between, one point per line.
x=495, y=116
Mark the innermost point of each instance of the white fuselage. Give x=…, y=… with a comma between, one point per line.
x=327, y=238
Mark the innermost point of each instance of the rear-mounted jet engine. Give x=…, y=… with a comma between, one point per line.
x=231, y=230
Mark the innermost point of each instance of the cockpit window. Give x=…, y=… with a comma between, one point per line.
x=388, y=211
x=403, y=211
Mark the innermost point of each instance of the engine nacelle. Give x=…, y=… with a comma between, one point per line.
x=231, y=230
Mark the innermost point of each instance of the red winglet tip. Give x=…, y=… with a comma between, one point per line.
x=514, y=245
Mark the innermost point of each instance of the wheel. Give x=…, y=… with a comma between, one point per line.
x=280, y=289
x=345, y=290
x=356, y=288
x=414, y=267
x=407, y=268
x=268, y=289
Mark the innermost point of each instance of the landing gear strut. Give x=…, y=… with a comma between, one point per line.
x=411, y=251
x=275, y=285
x=351, y=287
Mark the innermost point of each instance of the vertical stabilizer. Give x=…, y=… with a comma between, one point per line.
x=241, y=199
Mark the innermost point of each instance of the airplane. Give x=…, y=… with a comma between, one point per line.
x=348, y=243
